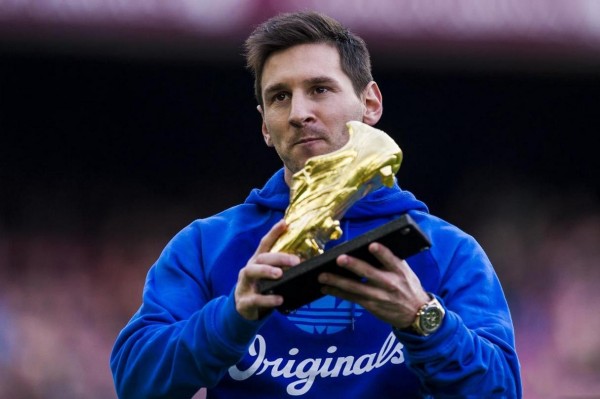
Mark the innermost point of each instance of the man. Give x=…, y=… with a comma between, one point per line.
x=203, y=322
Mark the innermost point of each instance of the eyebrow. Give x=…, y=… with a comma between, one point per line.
x=321, y=79
x=309, y=82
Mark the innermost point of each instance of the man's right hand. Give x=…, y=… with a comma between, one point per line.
x=249, y=303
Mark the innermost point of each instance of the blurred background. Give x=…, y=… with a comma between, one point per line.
x=121, y=121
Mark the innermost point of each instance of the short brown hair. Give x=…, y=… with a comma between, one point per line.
x=290, y=29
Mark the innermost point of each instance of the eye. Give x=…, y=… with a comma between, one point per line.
x=281, y=96
x=321, y=90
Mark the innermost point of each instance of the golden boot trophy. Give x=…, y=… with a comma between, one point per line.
x=330, y=184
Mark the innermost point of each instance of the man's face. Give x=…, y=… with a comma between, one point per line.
x=307, y=101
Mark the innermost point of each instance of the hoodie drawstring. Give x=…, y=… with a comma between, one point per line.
x=353, y=305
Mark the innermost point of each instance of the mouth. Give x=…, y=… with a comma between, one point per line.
x=307, y=140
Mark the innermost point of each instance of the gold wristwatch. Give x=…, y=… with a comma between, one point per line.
x=429, y=317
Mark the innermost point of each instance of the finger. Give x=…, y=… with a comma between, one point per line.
x=279, y=259
x=256, y=271
x=269, y=239
x=386, y=257
x=253, y=306
x=359, y=267
x=383, y=276
x=260, y=301
x=361, y=294
x=346, y=288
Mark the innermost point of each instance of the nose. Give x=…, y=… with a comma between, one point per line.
x=301, y=110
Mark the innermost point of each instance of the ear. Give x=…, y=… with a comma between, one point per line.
x=373, y=102
x=265, y=132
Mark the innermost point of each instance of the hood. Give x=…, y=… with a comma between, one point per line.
x=380, y=203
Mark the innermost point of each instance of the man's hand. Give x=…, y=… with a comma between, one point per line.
x=392, y=293
x=249, y=303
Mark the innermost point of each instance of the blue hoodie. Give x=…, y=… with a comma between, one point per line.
x=187, y=333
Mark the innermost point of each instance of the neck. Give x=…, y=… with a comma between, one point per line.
x=287, y=176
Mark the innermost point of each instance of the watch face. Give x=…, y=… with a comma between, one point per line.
x=431, y=319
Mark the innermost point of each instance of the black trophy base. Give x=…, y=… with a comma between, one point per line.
x=299, y=284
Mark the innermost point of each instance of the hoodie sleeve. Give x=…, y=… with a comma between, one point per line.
x=179, y=340
x=473, y=353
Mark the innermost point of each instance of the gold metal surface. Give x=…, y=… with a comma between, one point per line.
x=330, y=184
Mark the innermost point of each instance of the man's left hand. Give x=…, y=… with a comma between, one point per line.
x=392, y=293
